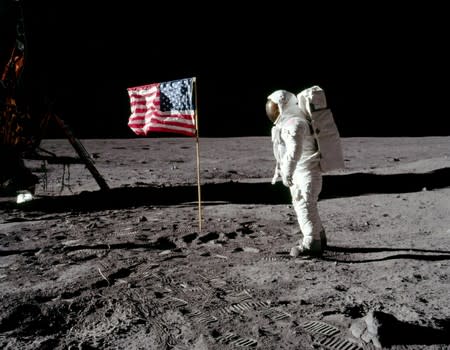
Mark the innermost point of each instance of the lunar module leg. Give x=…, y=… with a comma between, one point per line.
x=82, y=153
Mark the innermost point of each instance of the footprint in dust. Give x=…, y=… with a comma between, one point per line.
x=190, y=237
x=208, y=237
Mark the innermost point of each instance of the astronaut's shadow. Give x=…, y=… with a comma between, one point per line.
x=347, y=254
x=366, y=183
x=334, y=186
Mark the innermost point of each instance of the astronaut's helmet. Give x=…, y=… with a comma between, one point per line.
x=277, y=102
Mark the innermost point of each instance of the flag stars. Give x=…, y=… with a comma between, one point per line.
x=176, y=95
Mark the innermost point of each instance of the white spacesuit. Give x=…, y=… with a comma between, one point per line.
x=297, y=162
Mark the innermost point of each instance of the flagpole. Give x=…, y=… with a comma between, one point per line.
x=198, y=158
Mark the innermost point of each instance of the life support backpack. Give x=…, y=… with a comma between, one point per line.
x=313, y=103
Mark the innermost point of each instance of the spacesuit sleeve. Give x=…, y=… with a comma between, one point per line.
x=275, y=142
x=293, y=135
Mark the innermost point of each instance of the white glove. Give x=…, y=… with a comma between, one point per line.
x=287, y=181
x=276, y=176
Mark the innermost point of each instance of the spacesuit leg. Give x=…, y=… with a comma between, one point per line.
x=305, y=194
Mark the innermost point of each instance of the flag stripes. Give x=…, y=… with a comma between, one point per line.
x=163, y=107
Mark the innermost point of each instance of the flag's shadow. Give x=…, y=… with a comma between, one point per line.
x=240, y=192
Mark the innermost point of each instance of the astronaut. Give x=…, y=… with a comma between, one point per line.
x=298, y=164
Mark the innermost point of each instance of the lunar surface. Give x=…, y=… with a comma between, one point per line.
x=144, y=266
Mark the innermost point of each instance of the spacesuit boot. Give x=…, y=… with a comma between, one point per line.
x=323, y=239
x=314, y=249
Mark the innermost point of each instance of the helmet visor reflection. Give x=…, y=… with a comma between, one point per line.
x=272, y=110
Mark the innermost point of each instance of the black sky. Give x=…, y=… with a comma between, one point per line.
x=384, y=69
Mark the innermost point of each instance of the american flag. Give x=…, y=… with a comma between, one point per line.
x=163, y=107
